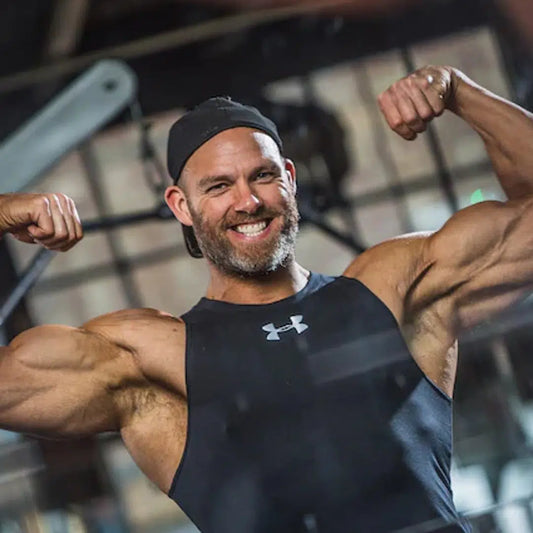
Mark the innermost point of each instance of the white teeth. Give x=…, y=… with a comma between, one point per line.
x=251, y=230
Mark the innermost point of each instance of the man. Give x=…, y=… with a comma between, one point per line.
x=286, y=401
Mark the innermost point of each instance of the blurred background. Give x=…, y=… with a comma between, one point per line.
x=77, y=123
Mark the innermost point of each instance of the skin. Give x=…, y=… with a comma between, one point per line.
x=125, y=371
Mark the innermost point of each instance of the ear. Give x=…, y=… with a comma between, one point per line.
x=177, y=203
x=290, y=170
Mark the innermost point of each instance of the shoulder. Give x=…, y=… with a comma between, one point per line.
x=131, y=325
x=139, y=329
x=143, y=315
x=391, y=268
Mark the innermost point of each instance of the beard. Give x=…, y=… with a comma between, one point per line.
x=252, y=259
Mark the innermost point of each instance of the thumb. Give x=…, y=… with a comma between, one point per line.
x=35, y=232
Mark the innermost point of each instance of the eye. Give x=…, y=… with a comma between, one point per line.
x=217, y=187
x=265, y=175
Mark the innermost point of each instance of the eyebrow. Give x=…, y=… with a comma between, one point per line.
x=207, y=181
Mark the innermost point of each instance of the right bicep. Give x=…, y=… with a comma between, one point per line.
x=60, y=381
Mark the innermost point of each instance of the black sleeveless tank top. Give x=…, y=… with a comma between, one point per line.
x=310, y=415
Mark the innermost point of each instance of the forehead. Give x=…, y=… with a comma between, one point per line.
x=232, y=150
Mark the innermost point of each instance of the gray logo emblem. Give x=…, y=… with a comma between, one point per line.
x=296, y=323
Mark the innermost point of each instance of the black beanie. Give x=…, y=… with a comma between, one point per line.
x=207, y=120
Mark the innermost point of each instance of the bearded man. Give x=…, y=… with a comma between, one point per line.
x=286, y=400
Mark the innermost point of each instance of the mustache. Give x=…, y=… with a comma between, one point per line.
x=261, y=214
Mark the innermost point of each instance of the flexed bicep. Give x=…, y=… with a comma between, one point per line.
x=60, y=381
x=481, y=261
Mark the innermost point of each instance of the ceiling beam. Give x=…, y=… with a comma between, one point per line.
x=66, y=28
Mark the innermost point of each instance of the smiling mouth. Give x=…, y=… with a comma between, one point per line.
x=253, y=229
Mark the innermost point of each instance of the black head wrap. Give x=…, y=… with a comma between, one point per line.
x=205, y=121
x=199, y=125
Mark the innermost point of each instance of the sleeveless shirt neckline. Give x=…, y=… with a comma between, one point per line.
x=314, y=282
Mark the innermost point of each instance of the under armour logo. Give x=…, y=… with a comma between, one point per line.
x=296, y=323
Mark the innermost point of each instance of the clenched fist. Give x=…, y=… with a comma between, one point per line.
x=48, y=219
x=410, y=103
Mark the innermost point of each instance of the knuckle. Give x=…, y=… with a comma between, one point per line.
x=67, y=201
x=384, y=102
x=397, y=123
x=43, y=202
x=58, y=203
x=404, y=83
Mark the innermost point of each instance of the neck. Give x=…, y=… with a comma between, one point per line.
x=272, y=287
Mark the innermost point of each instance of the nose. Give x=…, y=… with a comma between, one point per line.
x=246, y=201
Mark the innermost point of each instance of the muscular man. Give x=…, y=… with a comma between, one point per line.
x=285, y=400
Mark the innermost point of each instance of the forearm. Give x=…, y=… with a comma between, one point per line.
x=506, y=130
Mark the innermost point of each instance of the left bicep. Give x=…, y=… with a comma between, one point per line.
x=482, y=259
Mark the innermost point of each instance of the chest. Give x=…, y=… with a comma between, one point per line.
x=316, y=350
x=305, y=405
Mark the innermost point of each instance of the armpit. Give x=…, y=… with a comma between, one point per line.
x=390, y=268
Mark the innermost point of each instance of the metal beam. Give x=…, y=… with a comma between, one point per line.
x=84, y=107
x=66, y=28
x=441, y=18
x=149, y=45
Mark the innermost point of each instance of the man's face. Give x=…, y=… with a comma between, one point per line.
x=240, y=193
